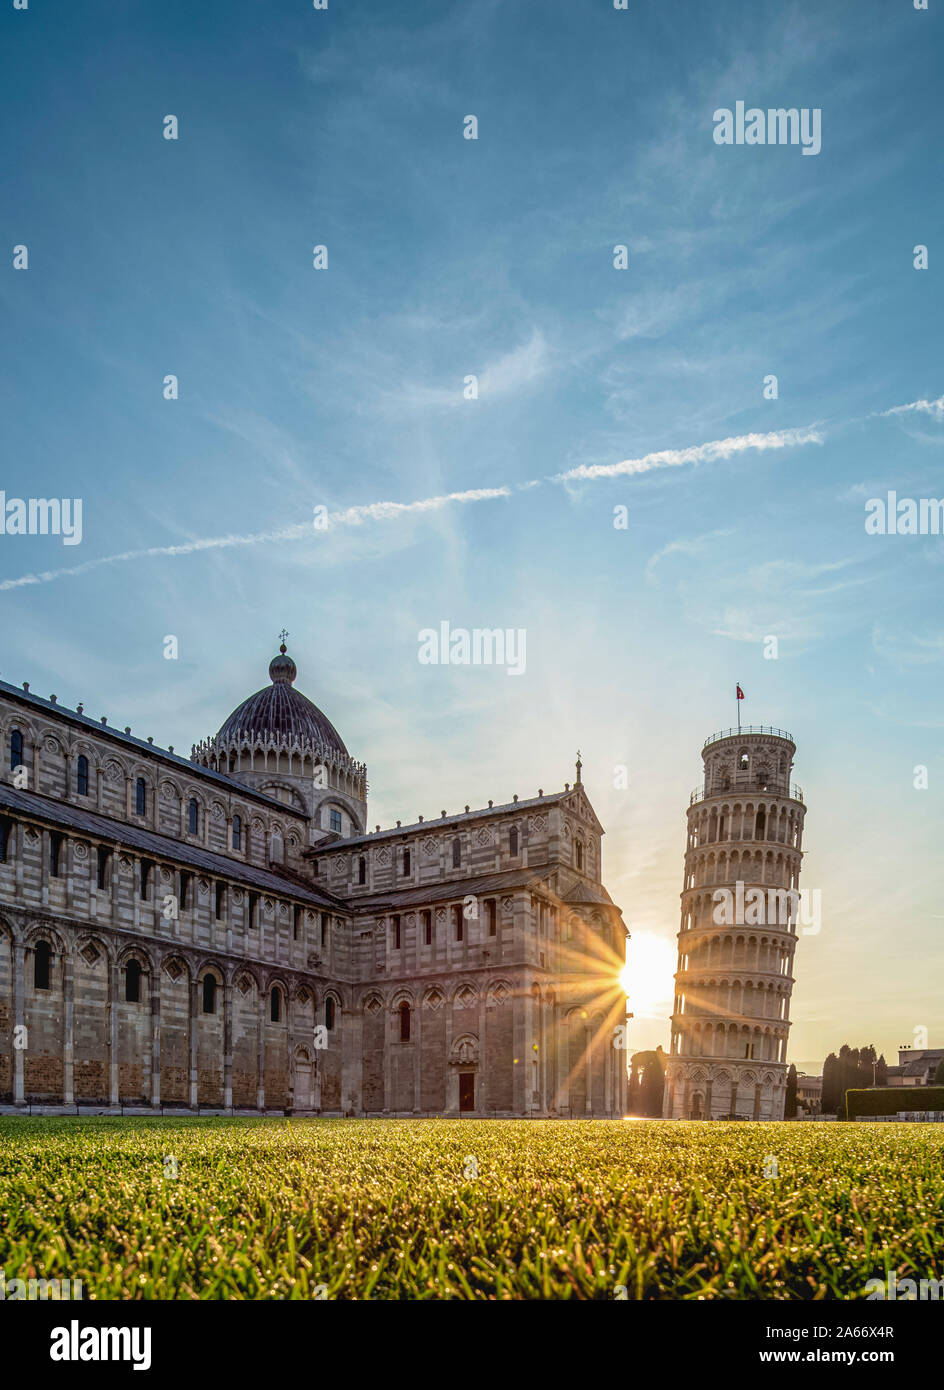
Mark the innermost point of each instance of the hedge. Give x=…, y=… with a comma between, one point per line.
x=888, y=1100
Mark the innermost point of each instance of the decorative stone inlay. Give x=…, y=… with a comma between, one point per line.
x=507, y=904
x=440, y=914
x=537, y=822
x=113, y=772
x=51, y=745
x=244, y=985
x=429, y=845
x=483, y=837
x=465, y=997
x=465, y=1051
x=169, y=792
x=383, y=856
x=373, y=1006
x=434, y=998
x=90, y=953
x=80, y=850
x=174, y=969
x=237, y=895
x=499, y=994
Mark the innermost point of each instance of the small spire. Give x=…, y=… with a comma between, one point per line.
x=282, y=636
x=579, y=767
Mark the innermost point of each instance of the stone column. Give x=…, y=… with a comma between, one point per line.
x=155, y=984
x=352, y=1027
x=68, y=1044
x=20, y=844
x=44, y=842
x=228, y=987
x=390, y=1017
x=114, y=981
x=19, y=1018
x=193, y=1038
x=260, y=1054
x=481, y=1077
x=520, y=1050
x=416, y=1040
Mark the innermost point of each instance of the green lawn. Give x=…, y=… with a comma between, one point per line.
x=392, y=1208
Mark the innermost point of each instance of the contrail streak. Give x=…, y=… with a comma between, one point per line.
x=389, y=511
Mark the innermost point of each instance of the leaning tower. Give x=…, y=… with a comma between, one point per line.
x=738, y=931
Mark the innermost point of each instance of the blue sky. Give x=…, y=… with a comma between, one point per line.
x=344, y=388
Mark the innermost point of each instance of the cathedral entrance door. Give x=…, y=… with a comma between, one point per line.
x=303, y=1097
x=467, y=1090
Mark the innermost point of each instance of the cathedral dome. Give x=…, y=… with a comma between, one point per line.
x=281, y=710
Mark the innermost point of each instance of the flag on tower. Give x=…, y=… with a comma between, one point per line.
x=740, y=693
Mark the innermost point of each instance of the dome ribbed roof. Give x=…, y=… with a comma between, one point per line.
x=280, y=709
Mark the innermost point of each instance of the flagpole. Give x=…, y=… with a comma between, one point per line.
x=738, y=703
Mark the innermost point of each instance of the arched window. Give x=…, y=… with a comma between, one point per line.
x=578, y=851
x=335, y=822
x=140, y=797
x=456, y=854
x=16, y=749
x=193, y=816
x=81, y=775
x=405, y=1012
x=237, y=833
x=275, y=1004
x=132, y=982
x=6, y=830
x=41, y=965
x=329, y=1012
x=406, y=863
x=458, y=920
x=513, y=841
x=55, y=851
x=209, y=994
x=362, y=870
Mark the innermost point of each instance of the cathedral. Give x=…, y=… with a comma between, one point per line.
x=223, y=934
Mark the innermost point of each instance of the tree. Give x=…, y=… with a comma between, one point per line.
x=831, y=1084
x=790, y=1104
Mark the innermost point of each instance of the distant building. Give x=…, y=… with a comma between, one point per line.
x=916, y=1066
x=809, y=1095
